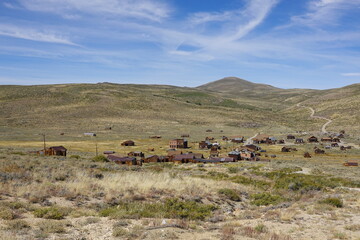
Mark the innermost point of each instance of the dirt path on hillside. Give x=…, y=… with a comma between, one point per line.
x=249, y=140
x=312, y=115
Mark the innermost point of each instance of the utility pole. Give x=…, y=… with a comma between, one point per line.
x=96, y=147
x=43, y=134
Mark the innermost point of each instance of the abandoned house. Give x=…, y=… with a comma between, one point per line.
x=319, y=151
x=172, y=152
x=235, y=155
x=237, y=139
x=326, y=139
x=128, y=143
x=312, y=139
x=290, y=136
x=288, y=149
x=178, y=143
x=205, y=145
x=54, y=151
x=152, y=159
x=246, y=155
x=251, y=147
x=130, y=161
x=136, y=154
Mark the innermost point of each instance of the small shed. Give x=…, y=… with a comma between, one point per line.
x=56, y=151
x=290, y=136
x=312, y=139
x=319, y=151
x=128, y=143
x=136, y=154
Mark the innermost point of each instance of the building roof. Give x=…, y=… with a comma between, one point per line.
x=120, y=159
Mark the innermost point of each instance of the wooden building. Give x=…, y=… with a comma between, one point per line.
x=237, y=139
x=312, y=139
x=289, y=137
x=178, y=143
x=128, y=143
x=205, y=145
x=136, y=154
x=152, y=159
x=130, y=161
x=53, y=151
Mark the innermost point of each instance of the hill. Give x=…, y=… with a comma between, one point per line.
x=143, y=110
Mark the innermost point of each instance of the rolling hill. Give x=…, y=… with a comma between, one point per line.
x=228, y=106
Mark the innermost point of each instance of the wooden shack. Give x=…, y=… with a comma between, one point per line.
x=319, y=151
x=152, y=159
x=128, y=143
x=326, y=139
x=237, y=139
x=136, y=154
x=54, y=151
x=205, y=145
x=235, y=155
x=130, y=161
x=312, y=139
x=307, y=155
x=289, y=137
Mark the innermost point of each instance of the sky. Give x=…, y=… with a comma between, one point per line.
x=285, y=43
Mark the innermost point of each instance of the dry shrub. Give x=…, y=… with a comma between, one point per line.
x=275, y=236
x=249, y=232
x=52, y=226
x=17, y=225
x=227, y=232
x=288, y=215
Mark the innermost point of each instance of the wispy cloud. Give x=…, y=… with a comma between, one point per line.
x=33, y=34
x=351, y=74
x=154, y=10
x=324, y=12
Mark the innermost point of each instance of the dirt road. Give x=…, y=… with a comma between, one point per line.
x=312, y=115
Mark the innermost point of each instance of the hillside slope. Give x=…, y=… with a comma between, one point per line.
x=143, y=110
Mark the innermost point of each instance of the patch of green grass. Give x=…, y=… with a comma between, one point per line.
x=230, y=194
x=100, y=158
x=265, y=199
x=172, y=208
x=51, y=213
x=335, y=202
x=250, y=181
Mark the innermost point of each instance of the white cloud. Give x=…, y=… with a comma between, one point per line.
x=154, y=10
x=32, y=34
x=324, y=12
x=351, y=74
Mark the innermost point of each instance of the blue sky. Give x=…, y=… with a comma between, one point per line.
x=285, y=43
